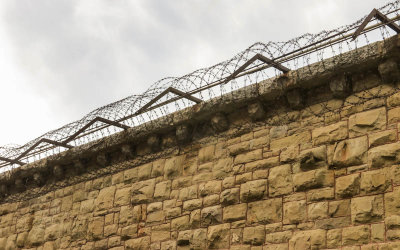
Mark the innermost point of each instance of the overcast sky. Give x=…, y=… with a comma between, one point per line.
x=60, y=59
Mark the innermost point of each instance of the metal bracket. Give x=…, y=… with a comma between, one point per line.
x=168, y=90
x=97, y=119
x=381, y=17
x=262, y=58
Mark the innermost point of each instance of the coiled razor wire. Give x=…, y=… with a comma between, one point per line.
x=203, y=84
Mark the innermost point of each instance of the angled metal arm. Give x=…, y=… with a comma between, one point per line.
x=253, y=59
x=381, y=17
x=12, y=161
x=97, y=119
x=172, y=90
x=61, y=144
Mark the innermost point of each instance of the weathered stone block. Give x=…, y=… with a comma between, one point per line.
x=394, y=115
x=95, y=228
x=367, y=209
x=383, y=156
x=174, y=166
x=334, y=238
x=222, y=168
x=229, y=196
x=339, y=208
x=378, y=232
x=329, y=134
x=219, y=122
x=295, y=98
x=235, y=212
x=312, y=239
x=122, y=196
x=348, y=186
x=142, y=192
x=218, y=236
x=249, y=156
x=355, y=235
x=180, y=223
x=313, y=179
x=254, y=235
x=265, y=211
x=278, y=237
x=142, y=243
x=280, y=180
x=340, y=86
x=295, y=139
x=206, y=154
x=317, y=210
x=253, y=190
x=365, y=122
x=313, y=158
x=383, y=137
x=375, y=181
x=162, y=190
x=211, y=215
x=392, y=202
x=350, y=152
x=105, y=199
x=294, y=212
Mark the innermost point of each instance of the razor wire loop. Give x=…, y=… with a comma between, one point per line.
x=259, y=62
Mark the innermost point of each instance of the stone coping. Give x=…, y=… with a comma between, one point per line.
x=317, y=74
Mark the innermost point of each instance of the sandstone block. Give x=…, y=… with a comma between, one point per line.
x=95, y=228
x=105, y=199
x=219, y=122
x=348, y=186
x=249, y=156
x=383, y=137
x=253, y=190
x=218, y=236
x=313, y=158
x=367, y=209
x=229, y=196
x=295, y=98
x=206, y=154
x=280, y=180
x=393, y=100
x=278, y=131
x=339, y=208
x=265, y=211
x=162, y=190
x=313, y=179
x=365, y=122
x=158, y=168
x=278, y=237
x=142, y=243
x=122, y=196
x=394, y=115
x=393, y=222
x=350, y=152
x=254, y=235
x=211, y=215
x=334, y=238
x=235, y=212
x=321, y=194
x=383, y=156
x=294, y=212
x=289, y=154
x=340, y=86
x=210, y=187
x=142, y=192
x=355, y=235
x=329, y=134
x=295, y=139
x=392, y=202
x=188, y=193
x=222, y=168
x=375, y=181
x=378, y=232
x=174, y=166
x=317, y=210
x=311, y=239
x=180, y=223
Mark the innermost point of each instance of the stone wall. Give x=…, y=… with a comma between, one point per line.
x=297, y=179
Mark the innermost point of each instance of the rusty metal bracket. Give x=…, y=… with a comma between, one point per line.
x=97, y=119
x=168, y=90
x=381, y=17
x=259, y=57
x=12, y=161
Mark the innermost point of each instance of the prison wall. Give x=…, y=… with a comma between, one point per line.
x=308, y=160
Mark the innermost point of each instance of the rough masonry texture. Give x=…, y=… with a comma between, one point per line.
x=230, y=173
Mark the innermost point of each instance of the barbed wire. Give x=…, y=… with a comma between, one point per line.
x=204, y=84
